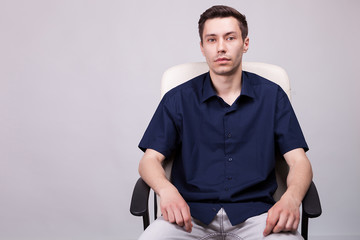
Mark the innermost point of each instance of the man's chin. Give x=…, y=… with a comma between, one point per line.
x=224, y=71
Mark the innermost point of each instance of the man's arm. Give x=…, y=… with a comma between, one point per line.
x=173, y=206
x=285, y=214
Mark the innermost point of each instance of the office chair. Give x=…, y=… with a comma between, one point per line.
x=176, y=75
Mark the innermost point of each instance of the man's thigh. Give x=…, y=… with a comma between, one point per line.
x=161, y=229
x=253, y=228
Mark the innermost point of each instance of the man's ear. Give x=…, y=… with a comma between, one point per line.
x=202, y=48
x=246, y=44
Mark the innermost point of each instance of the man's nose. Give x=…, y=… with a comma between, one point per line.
x=221, y=46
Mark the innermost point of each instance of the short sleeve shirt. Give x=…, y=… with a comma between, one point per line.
x=225, y=155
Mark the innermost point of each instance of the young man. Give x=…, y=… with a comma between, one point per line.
x=226, y=126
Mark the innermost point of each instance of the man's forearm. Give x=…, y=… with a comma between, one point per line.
x=300, y=174
x=151, y=170
x=173, y=206
x=285, y=215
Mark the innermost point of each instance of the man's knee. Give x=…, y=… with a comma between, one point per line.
x=285, y=236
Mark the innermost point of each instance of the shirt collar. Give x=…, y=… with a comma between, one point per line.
x=247, y=88
x=209, y=91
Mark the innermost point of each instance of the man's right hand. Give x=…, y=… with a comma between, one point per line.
x=174, y=208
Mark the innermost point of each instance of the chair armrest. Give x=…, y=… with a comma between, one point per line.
x=139, y=201
x=311, y=203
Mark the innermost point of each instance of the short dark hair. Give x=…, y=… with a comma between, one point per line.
x=221, y=11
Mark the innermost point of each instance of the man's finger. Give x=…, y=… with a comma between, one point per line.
x=187, y=219
x=165, y=215
x=270, y=223
x=296, y=224
x=178, y=218
x=280, y=225
x=171, y=217
x=290, y=223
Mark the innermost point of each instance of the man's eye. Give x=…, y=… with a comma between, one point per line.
x=230, y=38
x=211, y=40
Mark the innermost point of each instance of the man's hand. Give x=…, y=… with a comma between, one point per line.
x=174, y=208
x=284, y=216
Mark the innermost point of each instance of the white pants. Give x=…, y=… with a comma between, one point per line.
x=219, y=229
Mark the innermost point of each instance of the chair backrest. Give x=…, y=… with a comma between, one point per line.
x=184, y=72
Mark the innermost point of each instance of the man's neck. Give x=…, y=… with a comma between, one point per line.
x=228, y=87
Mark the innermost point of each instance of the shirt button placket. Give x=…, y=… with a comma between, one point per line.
x=229, y=158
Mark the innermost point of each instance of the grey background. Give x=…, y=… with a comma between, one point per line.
x=79, y=82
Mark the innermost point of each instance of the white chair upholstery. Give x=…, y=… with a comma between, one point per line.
x=184, y=72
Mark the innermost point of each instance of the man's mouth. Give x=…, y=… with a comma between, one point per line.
x=222, y=59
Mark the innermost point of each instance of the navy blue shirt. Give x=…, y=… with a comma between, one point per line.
x=225, y=154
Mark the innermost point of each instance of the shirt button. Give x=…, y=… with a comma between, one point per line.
x=229, y=177
x=229, y=135
x=230, y=159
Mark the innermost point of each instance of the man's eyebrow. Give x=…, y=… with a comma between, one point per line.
x=229, y=33
x=213, y=34
x=210, y=35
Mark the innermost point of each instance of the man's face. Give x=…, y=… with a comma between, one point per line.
x=223, y=46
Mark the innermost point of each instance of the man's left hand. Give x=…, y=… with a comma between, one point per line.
x=284, y=216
